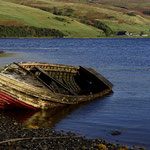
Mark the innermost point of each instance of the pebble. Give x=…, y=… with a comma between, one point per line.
x=14, y=137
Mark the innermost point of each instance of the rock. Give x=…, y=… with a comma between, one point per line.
x=1, y=52
x=116, y=132
x=14, y=137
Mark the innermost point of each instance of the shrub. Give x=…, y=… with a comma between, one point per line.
x=60, y=19
x=131, y=14
x=69, y=10
x=100, y=25
x=27, y=31
x=57, y=12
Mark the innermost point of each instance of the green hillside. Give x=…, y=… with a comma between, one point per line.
x=75, y=18
x=15, y=14
x=139, y=5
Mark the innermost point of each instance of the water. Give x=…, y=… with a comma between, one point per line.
x=125, y=62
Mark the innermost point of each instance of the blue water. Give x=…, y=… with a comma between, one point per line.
x=125, y=62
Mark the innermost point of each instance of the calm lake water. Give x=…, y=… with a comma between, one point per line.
x=125, y=62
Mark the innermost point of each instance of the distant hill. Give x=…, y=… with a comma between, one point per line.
x=138, y=5
x=78, y=18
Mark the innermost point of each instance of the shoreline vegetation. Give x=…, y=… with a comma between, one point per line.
x=26, y=31
x=13, y=137
x=102, y=37
x=35, y=32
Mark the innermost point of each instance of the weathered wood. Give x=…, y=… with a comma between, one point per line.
x=33, y=75
x=29, y=82
x=50, y=78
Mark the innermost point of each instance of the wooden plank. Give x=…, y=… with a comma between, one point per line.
x=56, y=81
x=29, y=72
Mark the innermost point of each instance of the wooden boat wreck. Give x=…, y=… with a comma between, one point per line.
x=44, y=86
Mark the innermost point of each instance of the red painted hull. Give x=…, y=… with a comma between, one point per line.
x=8, y=102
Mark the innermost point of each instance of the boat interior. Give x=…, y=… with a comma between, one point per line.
x=63, y=79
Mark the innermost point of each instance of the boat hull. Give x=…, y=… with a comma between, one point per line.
x=8, y=102
x=26, y=101
x=66, y=80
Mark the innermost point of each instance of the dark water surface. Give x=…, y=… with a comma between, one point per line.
x=125, y=62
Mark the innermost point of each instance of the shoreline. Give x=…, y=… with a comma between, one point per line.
x=1, y=52
x=102, y=37
x=14, y=136
x=6, y=54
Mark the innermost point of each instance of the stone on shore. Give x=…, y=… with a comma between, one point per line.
x=1, y=52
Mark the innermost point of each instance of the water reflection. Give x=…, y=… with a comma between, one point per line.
x=38, y=119
x=44, y=118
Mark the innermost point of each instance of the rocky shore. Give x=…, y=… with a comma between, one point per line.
x=1, y=52
x=14, y=137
